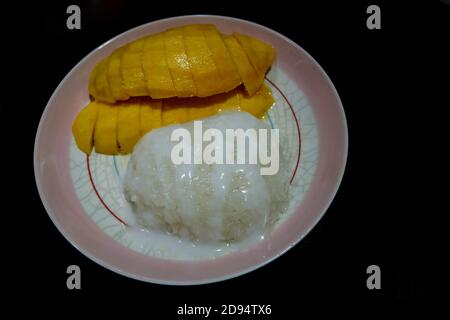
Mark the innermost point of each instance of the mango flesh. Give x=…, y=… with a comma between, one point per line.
x=193, y=60
x=92, y=79
x=102, y=83
x=252, y=81
x=232, y=101
x=226, y=67
x=150, y=115
x=83, y=127
x=132, y=72
x=119, y=126
x=156, y=70
x=178, y=63
x=260, y=55
x=256, y=104
x=128, y=131
x=204, y=70
x=115, y=75
x=174, y=110
x=263, y=54
x=202, y=107
x=105, y=132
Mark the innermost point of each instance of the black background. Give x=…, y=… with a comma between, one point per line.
x=393, y=83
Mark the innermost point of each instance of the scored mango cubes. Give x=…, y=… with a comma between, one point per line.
x=189, y=61
x=115, y=128
x=178, y=75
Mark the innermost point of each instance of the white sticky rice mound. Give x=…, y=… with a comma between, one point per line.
x=218, y=202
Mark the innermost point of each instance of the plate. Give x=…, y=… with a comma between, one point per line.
x=83, y=195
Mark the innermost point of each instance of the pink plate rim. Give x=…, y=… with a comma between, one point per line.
x=51, y=167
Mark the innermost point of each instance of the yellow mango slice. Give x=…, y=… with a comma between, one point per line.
x=193, y=60
x=150, y=115
x=92, y=80
x=178, y=63
x=265, y=54
x=229, y=75
x=231, y=100
x=105, y=132
x=260, y=54
x=252, y=81
x=174, y=110
x=128, y=131
x=101, y=83
x=200, y=108
x=204, y=70
x=83, y=127
x=118, y=127
x=115, y=75
x=133, y=77
x=258, y=103
x=156, y=70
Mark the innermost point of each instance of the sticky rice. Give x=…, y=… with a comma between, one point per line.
x=203, y=202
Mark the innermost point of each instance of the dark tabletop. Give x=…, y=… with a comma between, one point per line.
x=392, y=83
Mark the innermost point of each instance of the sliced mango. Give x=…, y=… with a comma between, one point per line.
x=260, y=54
x=150, y=115
x=194, y=60
x=229, y=75
x=200, y=108
x=83, y=127
x=117, y=127
x=264, y=53
x=252, y=81
x=131, y=67
x=128, y=131
x=178, y=63
x=92, y=80
x=102, y=84
x=115, y=75
x=175, y=110
x=156, y=70
x=231, y=101
x=204, y=70
x=257, y=104
x=105, y=132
